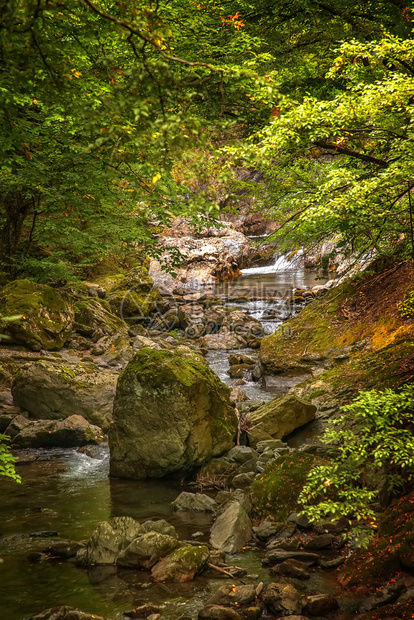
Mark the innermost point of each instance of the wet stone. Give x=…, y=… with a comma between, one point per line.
x=217, y=612
x=333, y=563
x=321, y=541
x=291, y=568
x=382, y=597
x=277, y=556
x=321, y=604
x=230, y=595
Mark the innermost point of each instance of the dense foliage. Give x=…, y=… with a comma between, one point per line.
x=99, y=101
x=94, y=110
x=375, y=458
x=342, y=167
x=7, y=460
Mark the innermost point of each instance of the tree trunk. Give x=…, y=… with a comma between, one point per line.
x=16, y=208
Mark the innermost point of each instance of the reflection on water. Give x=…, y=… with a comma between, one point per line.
x=68, y=492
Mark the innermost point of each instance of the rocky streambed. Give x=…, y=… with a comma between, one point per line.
x=125, y=545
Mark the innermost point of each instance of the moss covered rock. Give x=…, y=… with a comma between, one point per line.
x=108, y=541
x=275, y=492
x=94, y=318
x=171, y=413
x=182, y=564
x=46, y=316
x=54, y=391
x=146, y=550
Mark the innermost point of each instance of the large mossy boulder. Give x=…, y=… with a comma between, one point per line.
x=171, y=413
x=275, y=492
x=46, y=316
x=131, y=296
x=54, y=391
x=279, y=418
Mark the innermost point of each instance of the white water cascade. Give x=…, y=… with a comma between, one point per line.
x=282, y=263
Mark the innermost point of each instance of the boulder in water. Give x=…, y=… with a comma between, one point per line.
x=146, y=550
x=108, y=541
x=171, y=413
x=199, y=502
x=68, y=433
x=182, y=564
x=232, y=530
x=283, y=599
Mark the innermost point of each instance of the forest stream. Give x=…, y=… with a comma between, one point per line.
x=66, y=492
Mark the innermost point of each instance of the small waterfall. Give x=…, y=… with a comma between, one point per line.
x=282, y=263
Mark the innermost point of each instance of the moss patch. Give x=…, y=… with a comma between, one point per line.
x=350, y=317
x=275, y=492
x=389, y=367
x=46, y=315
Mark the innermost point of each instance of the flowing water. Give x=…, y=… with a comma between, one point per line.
x=69, y=493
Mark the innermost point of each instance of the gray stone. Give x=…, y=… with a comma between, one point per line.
x=320, y=541
x=333, y=563
x=223, y=496
x=232, y=530
x=291, y=568
x=198, y=502
x=146, y=550
x=273, y=444
x=68, y=433
x=277, y=556
x=241, y=481
x=17, y=424
x=243, y=499
x=241, y=454
x=266, y=529
x=161, y=526
x=53, y=391
x=108, y=540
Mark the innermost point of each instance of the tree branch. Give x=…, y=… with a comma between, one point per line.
x=140, y=35
x=345, y=151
